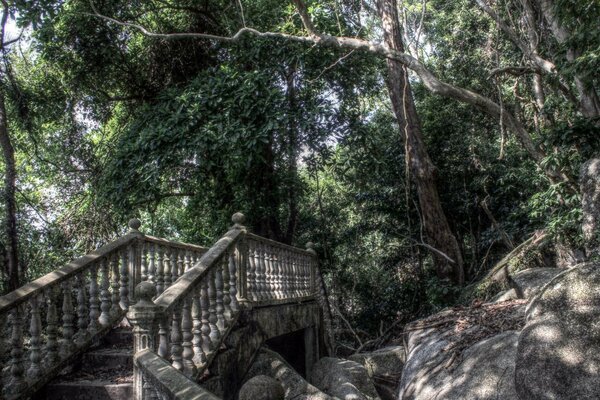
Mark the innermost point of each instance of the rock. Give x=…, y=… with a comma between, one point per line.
x=590, y=190
x=485, y=372
x=533, y=279
x=384, y=366
x=344, y=379
x=271, y=364
x=262, y=387
x=558, y=350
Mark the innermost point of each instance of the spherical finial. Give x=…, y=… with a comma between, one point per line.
x=238, y=219
x=145, y=291
x=310, y=245
x=135, y=224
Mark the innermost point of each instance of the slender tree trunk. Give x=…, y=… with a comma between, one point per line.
x=8, y=152
x=292, y=155
x=422, y=170
x=589, y=101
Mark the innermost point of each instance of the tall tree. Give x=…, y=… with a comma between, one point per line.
x=446, y=251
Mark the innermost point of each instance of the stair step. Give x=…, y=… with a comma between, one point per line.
x=89, y=390
x=120, y=337
x=107, y=358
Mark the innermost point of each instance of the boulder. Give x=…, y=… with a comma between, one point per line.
x=384, y=366
x=558, y=350
x=262, y=387
x=533, y=279
x=344, y=379
x=484, y=373
x=271, y=364
x=590, y=201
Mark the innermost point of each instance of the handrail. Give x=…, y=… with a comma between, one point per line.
x=168, y=382
x=278, y=244
x=182, y=287
x=180, y=245
x=30, y=289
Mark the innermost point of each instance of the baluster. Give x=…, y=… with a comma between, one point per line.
x=68, y=316
x=52, y=329
x=151, y=264
x=167, y=267
x=199, y=356
x=212, y=308
x=308, y=277
x=143, y=263
x=104, y=293
x=82, y=311
x=124, y=290
x=115, y=310
x=94, y=303
x=261, y=272
x=224, y=267
x=275, y=262
x=17, y=370
x=187, y=336
x=163, y=337
x=234, y=305
x=207, y=346
x=268, y=272
x=285, y=274
x=251, y=272
x=180, y=260
x=160, y=282
x=219, y=287
x=35, y=355
x=176, y=349
x=296, y=275
x=303, y=276
x=188, y=261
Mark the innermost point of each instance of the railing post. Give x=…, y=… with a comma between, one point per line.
x=143, y=316
x=134, y=268
x=310, y=247
x=241, y=249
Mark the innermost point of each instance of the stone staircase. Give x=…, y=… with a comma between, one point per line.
x=104, y=372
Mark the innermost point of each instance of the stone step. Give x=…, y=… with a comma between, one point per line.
x=119, y=337
x=89, y=390
x=107, y=358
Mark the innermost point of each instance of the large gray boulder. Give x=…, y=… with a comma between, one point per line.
x=271, y=364
x=262, y=387
x=485, y=372
x=344, y=379
x=531, y=281
x=590, y=201
x=559, y=348
x=384, y=366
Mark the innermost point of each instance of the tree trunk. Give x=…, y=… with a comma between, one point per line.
x=589, y=101
x=12, y=255
x=422, y=170
x=292, y=172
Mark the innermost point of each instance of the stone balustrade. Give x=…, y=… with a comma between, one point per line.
x=48, y=322
x=188, y=298
x=187, y=323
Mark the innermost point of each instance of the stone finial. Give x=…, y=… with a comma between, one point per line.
x=238, y=220
x=144, y=292
x=134, y=224
x=310, y=247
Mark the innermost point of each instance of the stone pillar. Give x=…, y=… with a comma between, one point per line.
x=134, y=267
x=241, y=250
x=144, y=317
x=589, y=178
x=311, y=350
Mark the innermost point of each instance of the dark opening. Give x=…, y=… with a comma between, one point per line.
x=291, y=347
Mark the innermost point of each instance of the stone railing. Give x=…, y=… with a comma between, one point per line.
x=46, y=323
x=187, y=323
